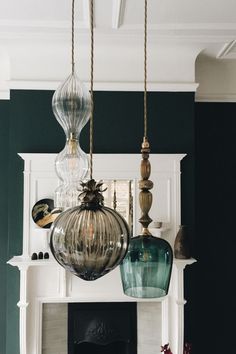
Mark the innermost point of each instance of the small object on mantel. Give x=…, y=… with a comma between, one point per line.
x=40, y=255
x=157, y=224
x=182, y=244
x=34, y=256
x=46, y=255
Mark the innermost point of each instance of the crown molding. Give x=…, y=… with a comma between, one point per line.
x=4, y=90
x=4, y=94
x=219, y=97
x=194, y=32
x=225, y=52
x=109, y=86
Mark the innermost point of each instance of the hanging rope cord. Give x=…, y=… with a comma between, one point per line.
x=145, y=69
x=73, y=38
x=91, y=86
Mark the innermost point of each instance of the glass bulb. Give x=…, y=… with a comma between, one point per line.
x=146, y=269
x=89, y=240
x=72, y=163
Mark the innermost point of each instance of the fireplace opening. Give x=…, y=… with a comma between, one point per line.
x=102, y=328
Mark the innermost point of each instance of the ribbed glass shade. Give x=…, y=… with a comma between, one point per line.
x=89, y=240
x=72, y=163
x=71, y=166
x=71, y=104
x=146, y=269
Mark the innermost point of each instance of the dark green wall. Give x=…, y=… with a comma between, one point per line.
x=4, y=133
x=211, y=311
x=118, y=129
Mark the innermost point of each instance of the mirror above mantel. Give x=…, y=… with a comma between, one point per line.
x=43, y=281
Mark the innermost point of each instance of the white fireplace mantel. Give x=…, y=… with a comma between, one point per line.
x=44, y=281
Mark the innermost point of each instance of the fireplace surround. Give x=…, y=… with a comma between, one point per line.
x=45, y=282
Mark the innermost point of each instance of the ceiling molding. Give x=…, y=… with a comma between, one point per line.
x=219, y=97
x=47, y=30
x=4, y=94
x=109, y=86
x=118, y=9
x=4, y=90
x=226, y=51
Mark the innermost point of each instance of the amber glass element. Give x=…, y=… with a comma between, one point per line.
x=89, y=240
x=146, y=269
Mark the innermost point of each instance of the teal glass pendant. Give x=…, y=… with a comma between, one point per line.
x=146, y=269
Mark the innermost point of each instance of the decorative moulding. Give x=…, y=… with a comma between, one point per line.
x=109, y=86
x=4, y=94
x=193, y=32
x=216, y=97
x=228, y=51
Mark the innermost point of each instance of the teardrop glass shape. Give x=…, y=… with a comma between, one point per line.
x=71, y=104
x=146, y=269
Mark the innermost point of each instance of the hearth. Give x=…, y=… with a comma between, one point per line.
x=102, y=328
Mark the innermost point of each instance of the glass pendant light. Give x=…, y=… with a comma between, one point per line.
x=146, y=269
x=71, y=105
x=90, y=240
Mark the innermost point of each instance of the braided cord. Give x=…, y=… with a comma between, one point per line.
x=145, y=69
x=91, y=86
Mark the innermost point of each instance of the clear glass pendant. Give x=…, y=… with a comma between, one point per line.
x=146, y=269
x=71, y=105
x=89, y=240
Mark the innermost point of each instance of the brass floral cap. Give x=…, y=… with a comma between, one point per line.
x=92, y=193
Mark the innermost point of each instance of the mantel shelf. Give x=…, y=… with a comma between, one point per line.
x=182, y=263
x=20, y=261
x=159, y=229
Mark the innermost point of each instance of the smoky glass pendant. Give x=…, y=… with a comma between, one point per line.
x=89, y=240
x=146, y=269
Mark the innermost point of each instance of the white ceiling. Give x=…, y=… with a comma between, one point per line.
x=161, y=11
x=35, y=41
